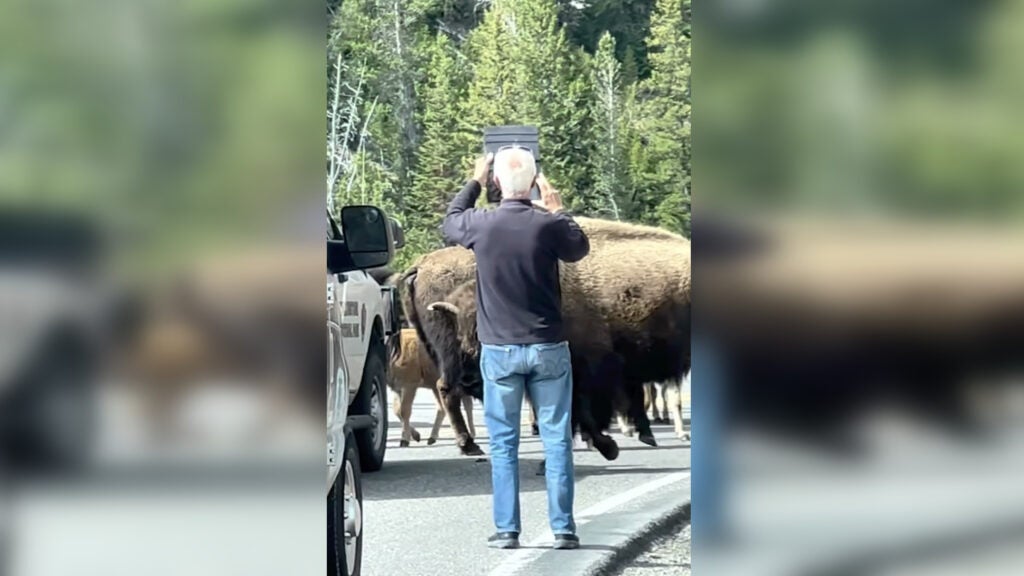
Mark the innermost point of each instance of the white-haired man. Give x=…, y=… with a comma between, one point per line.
x=519, y=324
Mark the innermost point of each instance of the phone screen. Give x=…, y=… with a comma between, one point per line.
x=499, y=137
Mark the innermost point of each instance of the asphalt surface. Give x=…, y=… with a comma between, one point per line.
x=239, y=499
x=916, y=500
x=667, y=556
x=428, y=511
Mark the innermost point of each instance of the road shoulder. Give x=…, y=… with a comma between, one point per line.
x=612, y=533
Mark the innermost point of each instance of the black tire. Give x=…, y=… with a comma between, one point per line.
x=53, y=416
x=338, y=555
x=371, y=400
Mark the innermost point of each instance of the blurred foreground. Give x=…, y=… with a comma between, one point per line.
x=161, y=269
x=859, y=258
x=873, y=402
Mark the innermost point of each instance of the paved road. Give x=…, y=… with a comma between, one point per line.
x=915, y=501
x=235, y=503
x=428, y=510
x=669, y=556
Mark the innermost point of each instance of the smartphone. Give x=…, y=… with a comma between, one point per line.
x=498, y=137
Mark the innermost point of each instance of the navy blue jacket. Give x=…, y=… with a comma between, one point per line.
x=517, y=249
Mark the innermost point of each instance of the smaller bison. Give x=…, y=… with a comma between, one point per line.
x=671, y=394
x=653, y=391
x=412, y=369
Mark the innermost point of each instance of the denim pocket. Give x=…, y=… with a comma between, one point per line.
x=494, y=362
x=551, y=360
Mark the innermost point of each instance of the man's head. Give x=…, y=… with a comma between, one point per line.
x=514, y=172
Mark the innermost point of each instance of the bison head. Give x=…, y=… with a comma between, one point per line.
x=458, y=346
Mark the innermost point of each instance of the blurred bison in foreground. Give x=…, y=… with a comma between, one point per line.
x=820, y=322
x=248, y=320
x=61, y=317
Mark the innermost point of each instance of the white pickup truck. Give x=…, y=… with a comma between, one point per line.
x=362, y=317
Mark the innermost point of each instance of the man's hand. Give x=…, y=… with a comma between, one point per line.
x=483, y=165
x=550, y=199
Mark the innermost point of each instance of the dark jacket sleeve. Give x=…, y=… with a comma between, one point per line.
x=571, y=243
x=458, y=221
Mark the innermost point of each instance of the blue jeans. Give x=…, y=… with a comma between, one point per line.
x=507, y=371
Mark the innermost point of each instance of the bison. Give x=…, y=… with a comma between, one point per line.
x=626, y=309
x=412, y=369
x=670, y=394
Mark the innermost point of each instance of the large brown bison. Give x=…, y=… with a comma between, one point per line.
x=626, y=309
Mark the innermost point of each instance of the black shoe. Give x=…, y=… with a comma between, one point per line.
x=566, y=542
x=504, y=540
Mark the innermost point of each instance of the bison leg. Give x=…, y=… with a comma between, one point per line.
x=664, y=388
x=438, y=417
x=592, y=403
x=452, y=403
x=467, y=405
x=405, y=416
x=396, y=405
x=591, y=432
x=653, y=389
x=639, y=416
x=624, y=426
x=677, y=416
x=675, y=403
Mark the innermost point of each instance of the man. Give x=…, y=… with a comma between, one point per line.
x=519, y=323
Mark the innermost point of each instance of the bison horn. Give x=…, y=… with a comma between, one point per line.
x=446, y=306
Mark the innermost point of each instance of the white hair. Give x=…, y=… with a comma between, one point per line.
x=515, y=170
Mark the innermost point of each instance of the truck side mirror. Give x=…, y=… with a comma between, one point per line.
x=368, y=236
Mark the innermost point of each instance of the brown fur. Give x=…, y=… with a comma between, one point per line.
x=634, y=285
x=411, y=370
x=600, y=231
x=234, y=316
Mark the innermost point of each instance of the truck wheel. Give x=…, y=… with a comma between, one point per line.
x=372, y=401
x=345, y=517
x=54, y=417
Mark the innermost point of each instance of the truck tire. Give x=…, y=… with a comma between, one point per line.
x=371, y=400
x=345, y=516
x=54, y=414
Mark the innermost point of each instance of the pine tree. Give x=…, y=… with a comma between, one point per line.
x=630, y=72
x=610, y=168
x=660, y=159
x=440, y=163
x=526, y=73
x=377, y=40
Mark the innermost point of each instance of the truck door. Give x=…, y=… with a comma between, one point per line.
x=358, y=294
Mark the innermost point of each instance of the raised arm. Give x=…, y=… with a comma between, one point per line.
x=458, y=220
x=571, y=243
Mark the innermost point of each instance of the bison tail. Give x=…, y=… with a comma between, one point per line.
x=408, y=280
x=408, y=296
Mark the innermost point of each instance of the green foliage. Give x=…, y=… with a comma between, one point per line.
x=425, y=77
x=661, y=152
x=610, y=160
x=440, y=165
x=376, y=40
x=628, y=22
x=524, y=72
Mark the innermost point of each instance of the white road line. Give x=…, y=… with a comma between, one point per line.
x=524, y=556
